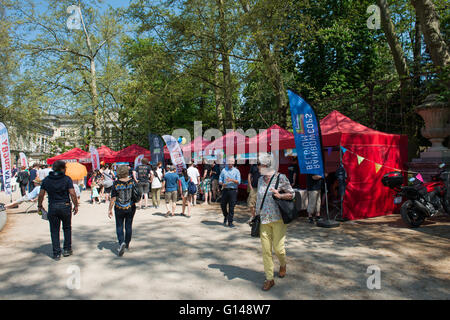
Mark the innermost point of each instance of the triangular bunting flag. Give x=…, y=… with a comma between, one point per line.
x=419, y=177
x=360, y=159
x=343, y=150
x=377, y=167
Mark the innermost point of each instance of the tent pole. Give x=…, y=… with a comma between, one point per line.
x=341, y=196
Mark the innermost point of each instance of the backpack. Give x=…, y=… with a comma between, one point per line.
x=192, y=188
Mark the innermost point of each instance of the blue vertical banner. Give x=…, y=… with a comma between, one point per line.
x=307, y=136
x=156, y=148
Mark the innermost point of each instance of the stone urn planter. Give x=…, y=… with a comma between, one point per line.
x=436, y=115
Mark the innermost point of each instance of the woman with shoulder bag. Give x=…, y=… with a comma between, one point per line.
x=272, y=228
x=123, y=200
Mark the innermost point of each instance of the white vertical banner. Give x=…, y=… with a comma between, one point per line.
x=23, y=160
x=95, y=159
x=6, y=158
x=176, y=155
x=138, y=160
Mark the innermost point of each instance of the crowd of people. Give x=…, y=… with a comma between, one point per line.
x=128, y=188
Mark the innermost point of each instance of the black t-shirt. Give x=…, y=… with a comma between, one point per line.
x=122, y=191
x=254, y=175
x=313, y=184
x=143, y=172
x=208, y=169
x=57, y=186
x=33, y=174
x=217, y=169
x=23, y=177
x=292, y=169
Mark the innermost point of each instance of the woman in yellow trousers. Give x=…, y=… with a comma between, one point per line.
x=272, y=229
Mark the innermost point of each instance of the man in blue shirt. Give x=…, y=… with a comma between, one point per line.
x=33, y=175
x=229, y=179
x=170, y=187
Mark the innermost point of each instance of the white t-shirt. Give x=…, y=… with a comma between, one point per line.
x=193, y=174
x=43, y=173
x=156, y=183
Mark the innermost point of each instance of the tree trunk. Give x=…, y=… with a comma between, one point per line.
x=392, y=39
x=429, y=22
x=417, y=52
x=399, y=57
x=217, y=98
x=273, y=70
x=226, y=69
x=94, y=97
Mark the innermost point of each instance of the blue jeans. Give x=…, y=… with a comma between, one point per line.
x=57, y=213
x=124, y=217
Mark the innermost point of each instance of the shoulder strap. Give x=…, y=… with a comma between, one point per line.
x=277, y=183
x=265, y=194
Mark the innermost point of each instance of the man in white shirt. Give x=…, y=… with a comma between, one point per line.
x=44, y=172
x=193, y=173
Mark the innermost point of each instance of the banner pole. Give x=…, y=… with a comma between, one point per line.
x=326, y=198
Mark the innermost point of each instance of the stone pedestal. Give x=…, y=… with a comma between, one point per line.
x=437, y=128
x=3, y=218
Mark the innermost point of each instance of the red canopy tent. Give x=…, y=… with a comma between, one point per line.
x=232, y=143
x=365, y=195
x=105, y=152
x=74, y=155
x=263, y=141
x=196, y=145
x=129, y=154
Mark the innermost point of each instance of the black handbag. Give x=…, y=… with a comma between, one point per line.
x=255, y=224
x=136, y=194
x=287, y=207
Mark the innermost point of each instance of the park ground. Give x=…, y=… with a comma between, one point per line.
x=199, y=258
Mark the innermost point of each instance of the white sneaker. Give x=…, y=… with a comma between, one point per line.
x=122, y=249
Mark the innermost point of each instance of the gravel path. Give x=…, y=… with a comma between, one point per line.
x=199, y=258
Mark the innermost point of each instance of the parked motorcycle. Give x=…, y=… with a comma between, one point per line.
x=421, y=200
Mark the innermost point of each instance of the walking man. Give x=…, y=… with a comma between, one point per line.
x=193, y=173
x=229, y=179
x=60, y=191
x=142, y=177
x=170, y=187
x=253, y=178
x=314, y=187
x=33, y=176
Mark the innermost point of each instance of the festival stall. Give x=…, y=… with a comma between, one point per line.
x=128, y=154
x=105, y=153
x=74, y=155
x=195, y=148
x=231, y=143
x=367, y=155
x=275, y=135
